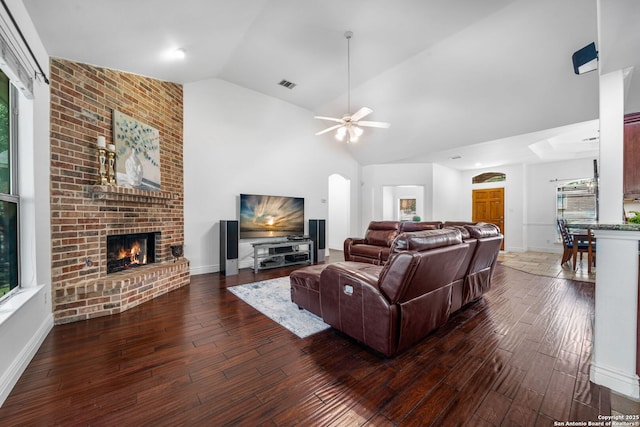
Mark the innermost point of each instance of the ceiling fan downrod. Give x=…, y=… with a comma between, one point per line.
x=348, y=35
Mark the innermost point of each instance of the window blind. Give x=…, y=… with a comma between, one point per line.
x=14, y=56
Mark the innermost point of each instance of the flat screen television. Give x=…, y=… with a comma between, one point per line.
x=270, y=216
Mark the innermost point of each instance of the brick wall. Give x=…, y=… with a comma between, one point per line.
x=83, y=214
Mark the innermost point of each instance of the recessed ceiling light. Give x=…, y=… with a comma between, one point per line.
x=179, y=53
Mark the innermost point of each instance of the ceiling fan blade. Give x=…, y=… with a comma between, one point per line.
x=333, y=119
x=374, y=124
x=329, y=129
x=364, y=111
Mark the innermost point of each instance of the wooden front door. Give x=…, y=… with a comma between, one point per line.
x=488, y=206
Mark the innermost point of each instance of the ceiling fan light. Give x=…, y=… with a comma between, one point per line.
x=353, y=133
x=341, y=133
x=358, y=131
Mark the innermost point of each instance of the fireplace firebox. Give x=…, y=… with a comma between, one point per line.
x=125, y=251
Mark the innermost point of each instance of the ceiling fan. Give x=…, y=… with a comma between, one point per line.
x=350, y=126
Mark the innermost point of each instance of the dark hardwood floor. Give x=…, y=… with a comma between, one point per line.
x=200, y=356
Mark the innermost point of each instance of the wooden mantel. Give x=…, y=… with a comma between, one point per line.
x=122, y=194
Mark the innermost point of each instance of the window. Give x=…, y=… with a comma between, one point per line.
x=9, y=201
x=489, y=177
x=577, y=200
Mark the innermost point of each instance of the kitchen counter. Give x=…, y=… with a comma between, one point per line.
x=623, y=226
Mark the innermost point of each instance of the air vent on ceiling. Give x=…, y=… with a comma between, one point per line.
x=287, y=84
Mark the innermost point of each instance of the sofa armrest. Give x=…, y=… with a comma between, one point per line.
x=349, y=241
x=351, y=302
x=367, y=274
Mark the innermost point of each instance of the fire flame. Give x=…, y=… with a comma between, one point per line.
x=133, y=254
x=135, y=251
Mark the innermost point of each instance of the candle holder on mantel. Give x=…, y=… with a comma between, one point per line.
x=111, y=161
x=103, y=178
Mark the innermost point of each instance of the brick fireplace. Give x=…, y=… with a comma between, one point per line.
x=84, y=215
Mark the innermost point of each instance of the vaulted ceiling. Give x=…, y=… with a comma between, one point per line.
x=448, y=75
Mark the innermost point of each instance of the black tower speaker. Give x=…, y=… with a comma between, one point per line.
x=318, y=232
x=229, y=237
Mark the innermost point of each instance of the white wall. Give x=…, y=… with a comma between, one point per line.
x=27, y=318
x=447, y=197
x=239, y=141
x=540, y=188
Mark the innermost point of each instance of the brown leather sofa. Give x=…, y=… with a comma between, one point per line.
x=477, y=280
x=429, y=274
x=473, y=279
x=376, y=244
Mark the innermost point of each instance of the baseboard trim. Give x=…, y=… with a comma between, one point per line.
x=624, y=383
x=194, y=271
x=215, y=268
x=20, y=363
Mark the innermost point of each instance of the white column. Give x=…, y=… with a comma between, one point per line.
x=616, y=312
x=611, y=147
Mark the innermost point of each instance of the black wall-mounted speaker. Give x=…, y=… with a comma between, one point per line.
x=318, y=233
x=585, y=59
x=229, y=240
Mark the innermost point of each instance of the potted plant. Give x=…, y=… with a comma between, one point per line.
x=635, y=219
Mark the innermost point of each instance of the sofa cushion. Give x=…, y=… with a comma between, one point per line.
x=483, y=229
x=463, y=223
x=408, y=226
x=426, y=240
x=463, y=230
x=367, y=251
x=305, y=287
x=384, y=225
x=382, y=233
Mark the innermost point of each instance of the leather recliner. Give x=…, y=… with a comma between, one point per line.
x=374, y=248
x=390, y=307
x=376, y=245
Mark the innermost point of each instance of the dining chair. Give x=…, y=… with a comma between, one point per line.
x=573, y=244
x=567, y=242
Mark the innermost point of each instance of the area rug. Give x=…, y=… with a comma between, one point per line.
x=273, y=299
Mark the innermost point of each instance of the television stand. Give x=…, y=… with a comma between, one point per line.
x=281, y=253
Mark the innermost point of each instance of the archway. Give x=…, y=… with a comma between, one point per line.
x=339, y=211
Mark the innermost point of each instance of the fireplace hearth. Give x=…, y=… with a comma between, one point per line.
x=126, y=251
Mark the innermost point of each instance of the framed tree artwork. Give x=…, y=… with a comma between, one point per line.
x=137, y=153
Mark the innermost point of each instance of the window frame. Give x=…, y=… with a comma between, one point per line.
x=13, y=195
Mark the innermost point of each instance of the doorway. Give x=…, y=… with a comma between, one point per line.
x=338, y=220
x=488, y=206
x=394, y=199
